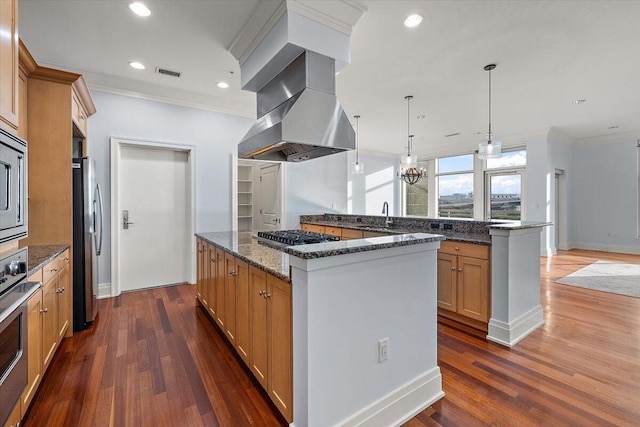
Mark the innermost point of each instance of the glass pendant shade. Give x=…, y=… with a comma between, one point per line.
x=489, y=150
x=358, y=166
x=408, y=160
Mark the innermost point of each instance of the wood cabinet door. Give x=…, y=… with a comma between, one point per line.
x=199, y=270
x=349, y=234
x=64, y=302
x=243, y=332
x=34, y=342
x=473, y=286
x=211, y=282
x=9, y=63
x=313, y=227
x=204, y=287
x=447, y=288
x=220, y=287
x=230, y=297
x=258, y=306
x=279, y=345
x=49, y=320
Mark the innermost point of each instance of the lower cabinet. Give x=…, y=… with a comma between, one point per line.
x=48, y=322
x=15, y=416
x=463, y=283
x=254, y=311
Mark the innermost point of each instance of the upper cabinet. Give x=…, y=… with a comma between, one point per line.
x=9, y=47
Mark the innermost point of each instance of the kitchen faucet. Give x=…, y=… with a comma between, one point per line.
x=385, y=211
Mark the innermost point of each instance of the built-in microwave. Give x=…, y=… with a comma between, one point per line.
x=13, y=187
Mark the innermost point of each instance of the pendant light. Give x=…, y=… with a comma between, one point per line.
x=409, y=171
x=358, y=166
x=489, y=149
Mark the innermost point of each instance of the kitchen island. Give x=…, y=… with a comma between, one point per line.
x=362, y=320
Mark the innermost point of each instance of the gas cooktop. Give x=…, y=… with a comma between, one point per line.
x=281, y=238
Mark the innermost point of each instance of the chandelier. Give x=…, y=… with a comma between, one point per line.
x=409, y=171
x=489, y=149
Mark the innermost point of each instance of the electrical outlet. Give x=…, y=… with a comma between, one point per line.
x=448, y=226
x=383, y=350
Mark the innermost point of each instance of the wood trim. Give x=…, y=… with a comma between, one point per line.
x=53, y=75
x=84, y=97
x=27, y=64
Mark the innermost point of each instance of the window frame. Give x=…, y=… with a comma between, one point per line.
x=437, y=176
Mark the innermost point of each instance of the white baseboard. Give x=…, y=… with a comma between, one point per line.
x=104, y=290
x=402, y=404
x=603, y=247
x=509, y=334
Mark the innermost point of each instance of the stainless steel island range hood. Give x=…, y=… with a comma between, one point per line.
x=299, y=116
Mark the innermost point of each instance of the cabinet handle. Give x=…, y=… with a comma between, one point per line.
x=453, y=268
x=459, y=269
x=199, y=251
x=456, y=248
x=261, y=293
x=58, y=290
x=214, y=260
x=267, y=296
x=54, y=270
x=233, y=273
x=44, y=310
x=62, y=289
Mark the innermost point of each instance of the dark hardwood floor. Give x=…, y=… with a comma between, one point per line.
x=153, y=359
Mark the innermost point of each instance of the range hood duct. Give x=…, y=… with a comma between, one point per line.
x=299, y=116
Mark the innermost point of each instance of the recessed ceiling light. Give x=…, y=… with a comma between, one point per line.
x=139, y=9
x=613, y=127
x=137, y=65
x=223, y=85
x=579, y=101
x=413, y=21
x=421, y=116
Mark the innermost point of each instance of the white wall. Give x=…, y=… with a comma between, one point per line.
x=214, y=135
x=604, y=197
x=367, y=192
x=314, y=187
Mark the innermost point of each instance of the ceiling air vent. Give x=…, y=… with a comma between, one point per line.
x=168, y=72
x=452, y=134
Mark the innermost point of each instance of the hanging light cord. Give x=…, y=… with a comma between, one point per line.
x=489, y=141
x=409, y=144
x=357, y=138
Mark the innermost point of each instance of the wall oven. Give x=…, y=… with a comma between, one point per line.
x=13, y=187
x=14, y=292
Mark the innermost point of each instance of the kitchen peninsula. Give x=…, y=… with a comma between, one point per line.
x=338, y=333
x=488, y=272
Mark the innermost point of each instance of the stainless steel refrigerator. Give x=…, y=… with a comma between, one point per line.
x=87, y=241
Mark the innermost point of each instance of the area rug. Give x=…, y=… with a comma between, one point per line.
x=613, y=277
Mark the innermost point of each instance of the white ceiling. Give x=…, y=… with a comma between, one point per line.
x=549, y=53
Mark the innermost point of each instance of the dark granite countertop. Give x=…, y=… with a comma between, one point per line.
x=39, y=256
x=248, y=249
x=482, y=239
x=519, y=225
x=341, y=247
x=276, y=261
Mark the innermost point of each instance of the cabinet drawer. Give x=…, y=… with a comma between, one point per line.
x=334, y=231
x=36, y=277
x=348, y=233
x=313, y=227
x=465, y=249
x=50, y=270
x=62, y=259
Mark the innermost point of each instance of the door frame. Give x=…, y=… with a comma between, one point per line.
x=116, y=156
x=234, y=190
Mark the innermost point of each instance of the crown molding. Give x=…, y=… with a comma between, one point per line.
x=612, y=138
x=256, y=28
x=339, y=15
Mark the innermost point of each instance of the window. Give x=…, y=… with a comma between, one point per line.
x=504, y=183
x=417, y=196
x=454, y=180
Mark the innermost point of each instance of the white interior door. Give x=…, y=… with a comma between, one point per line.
x=269, y=197
x=153, y=187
